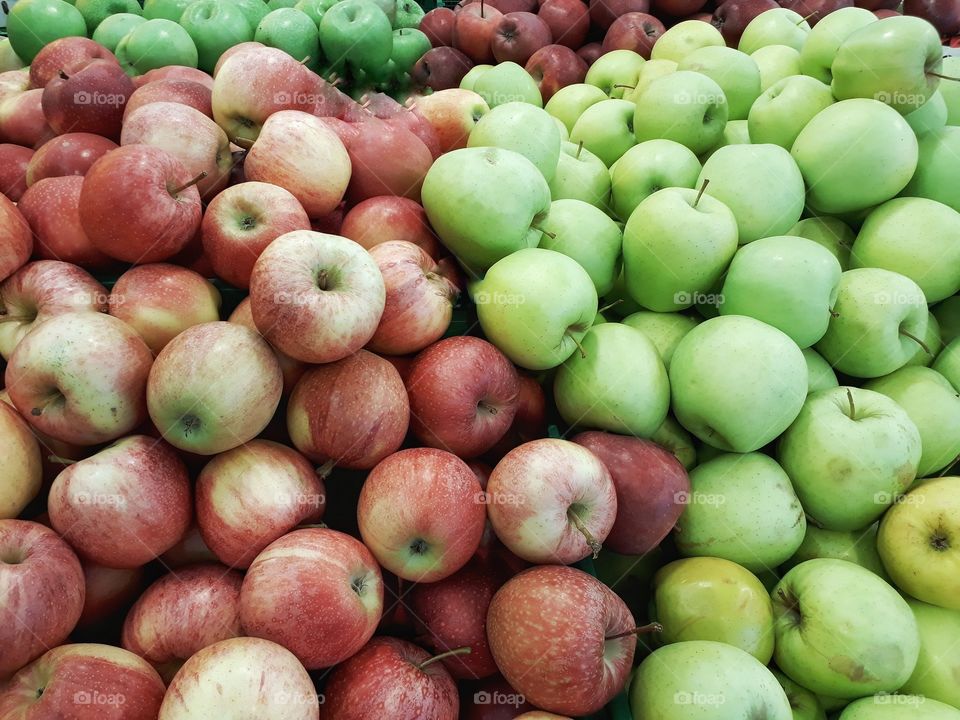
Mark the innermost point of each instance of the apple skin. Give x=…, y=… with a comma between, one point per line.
x=568, y=20
x=69, y=154
x=182, y=613
x=45, y=568
x=780, y=26
x=438, y=26
x=691, y=110
x=732, y=17
x=817, y=53
x=65, y=54
x=14, y=161
x=634, y=31
x=781, y=111
x=21, y=119
x=857, y=546
x=185, y=92
x=473, y=31
x=383, y=218
x=547, y=629
x=581, y=175
x=174, y=72
x=109, y=591
x=16, y=239
x=85, y=681
x=454, y=114
x=901, y=705
x=204, y=408
x=603, y=13
x=441, y=68
x=555, y=67
x=648, y=167
x=226, y=678
x=250, y=496
x=303, y=569
x=91, y=99
x=939, y=632
x=934, y=173
x=24, y=473
x=517, y=36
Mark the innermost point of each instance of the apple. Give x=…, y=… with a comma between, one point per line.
x=776, y=62
x=648, y=167
x=387, y=218
x=66, y=54
x=568, y=104
x=292, y=370
x=834, y=234
x=777, y=26
x=517, y=36
x=856, y=546
x=473, y=29
x=113, y=28
x=782, y=111
x=685, y=106
x=109, y=591
x=276, y=603
x=409, y=45
x=829, y=33
x=453, y=113
x=938, y=661
x=522, y=128
x=87, y=98
x=555, y=67
x=438, y=24
x=16, y=238
x=176, y=72
x=185, y=92
x=168, y=9
x=933, y=343
x=409, y=14
x=568, y=20
x=735, y=72
x=949, y=90
x=636, y=31
x=603, y=13
x=155, y=44
x=606, y=129
x=685, y=37
x=580, y=175
x=930, y=116
x=215, y=26
x=665, y=330
x=356, y=32
x=14, y=161
x=934, y=173
x=891, y=707
x=33, y=24
x=22, y=121
x=25, y=470
x=588, y=235
x=68, y=154
x=731, y=17
x=615, y=72
x=36, y=565
x=553, y=620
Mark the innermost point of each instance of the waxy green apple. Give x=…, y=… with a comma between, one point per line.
x=474, y=74
x=568, y=103
x=615, y=72
x=606, y=129
x=775, y=63
x=96, y=11
x=113, y=29
x=778, y=26
x=357, y=32
x=825, y=38
x=650, y=71
x=580, y=175
x=156, y=44
x=674, y=438
x=938, y=174
x=506, y=83
x=929, y=117
x=253, y=10
x=293, y=31
x=215, y=26
x=165, y=9
x=648, y=167
x=315, y=9
x=782, y=111
x=938, y=666
x=834, y=234
x=409, y=45
x=805, y=705
x=686, y=107
x=589, y=236
x=409, y=14
x=685, y=37
x=32, y=24
x=735, y=72
x=820, y=376
x=735, y=132
x=665, y=330
x=856, y=546
x=523, y=128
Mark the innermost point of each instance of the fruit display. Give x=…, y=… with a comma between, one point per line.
x=512, y=360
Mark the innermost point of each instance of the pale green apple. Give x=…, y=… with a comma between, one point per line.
x=785, y=281
x=850, y=453
x=825, y=38
x=615, y=72
x=805, y=705
x=685, y=37
x=778, y=26
x=925, y=354
x=898, y=707
x=295, y=32
x=618, y=300
x=728, y=364
x=568, y=103
x=589, y=236
x=929, y=117
x=951, y=90
x=665, y=330
x=735, y=72
x=650, y=71
x=775, y=63
x=536, y=305
x=735, y=132
x=506, y=83
x=762, y=186
x=485, y=203
x=164, y=9
x=842, y=631
x=856, y=546
x=741, y=508
x=948, y=316
x=820, y=376
x=938, y=171
x=616, y=382
x=674, y=438
x=834, y=234
x=878, y=317
x=113, y=29
x=606, y=129
x=523, y=128
x=648, y=167
x=676, y=245
x=855, y=154
x=709, y=598
x=9, y=60
x=469, y=80
x=580, y=175
x=918, y=543
x=947, y=362
x=685, y=106
x=781, y=112
x=315, y=9
x=938, y=667
x=562, y=129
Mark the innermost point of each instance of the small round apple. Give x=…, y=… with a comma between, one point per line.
x=69, y=154
x=109, y=591
x=385, y=217
x=23, y=470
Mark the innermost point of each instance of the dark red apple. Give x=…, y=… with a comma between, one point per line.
x=518, y=36
x=555, y=66
x=678, y=8
x=69, y=154
x=815, y=10
x=14, y=160
x=604, y=12
x=635, y=31
x=474, y=29
x=733, y=16
x=441, y=68
x=508, y=6
x=568, y=20
x=944, y=15
x=530, y=422
x=875, y=5
x=65, y=54
x=438, y=26
x=881, y=14
x=590, y=52
x=89, y=99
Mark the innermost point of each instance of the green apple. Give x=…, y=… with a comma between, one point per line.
x=785, y=281
x=938, y=172
x=685, y=37
x=805, y=705
x=834, y=234
x=32, y=24
x=779, y=26
x=938, y=667
x=762, y=186
x=164, y=9
x=474, y=74
x=96, y=11
x=820, y=376
x=735, y=72
x=649, y=71
x=615, y=72
x=507, y=83
x=685, y=106
x=618, y=300
x=293, y=31
x=665, y=330
x=562, y=129
x=606, y=129
x=741, y=508
x=389, y=8
x=580, y=175
x=850, y=453
x=357, y=32
x=648, y=167
x=918, y=542
x=951, y=90
x=484, y=204
x=895, y=60
x=409, y=14
x=113, y=29
x=523, y=128
x=409, y=45
x=948, y=317
x=536, y=306
x=842, y=631
x=156, y=44
x=709, y=598
x=8, y=58
x=856, y=546
x=316, y=9
x=215, y=26
x=736, y=132
x=730, y=363
x=825, y=38
x=568, y=103
x=589, y=236
x=855, y=154
x=280, y=4
x=932, y=345
x=676, y=246
x=782, y=111
x=616, y=382
x=929, y=117
x=775, y=63
x=899, y=707
x=947, y=362
x=253, y=10
x=674, y=438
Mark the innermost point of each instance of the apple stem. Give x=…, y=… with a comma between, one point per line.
x=61, y=460
x=641, y=630
x=450, y=653
x=324, y=470
x=834, y=313
x=949, y=467
x=583, y=353
x=64, y=76
x=853, y=408
x=813, y=521
x=306, y=60
x=193, y=182
x=579, y=150
x=943, y=77
x=610, y=305
x=626, y=87
x=803, y=20
x=243, y=143
x=336, y=80
x=481, y=9
x=706, y=181
x=918, y=341
x=551, y=235
x=14, y=318
x=592, y=542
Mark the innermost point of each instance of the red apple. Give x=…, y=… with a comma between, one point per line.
x=235, y=50
x=16, y=240
x=351, y=413
x=678, y=8
x=14, y=160
x=554, y=67
x=186, y=92
x=109, y=591
x=509, y=6
x=453, y=113
x=518, y=36
x=474, y=29
x=590, y=52
x=885, y=13
x=562, y=638
x=70, y=154
x=291, y=369
x=732, y=17
x=190, y=550
x=604, y=12
x=23, y=468
x=815, y=10
x=568, y=20
x=174, y=72
x=22, y=121
x=438, y=26
x=305, y=570
x=90, y=99
x=386, y=217
x=530, y=422
x=385, y=108
x=633, y=31
x=41, y=592
x=65, y=54
x=493, y=699
x=944, y=15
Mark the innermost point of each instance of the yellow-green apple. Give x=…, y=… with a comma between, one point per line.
x=305, y=569
x=464, y=395
x=22, y=121
x=650, y=71
x=788, y=282
x=935, y=674
x=506, y=82
x=182, y=613
x=781, y=112
x=453, y=113
x=586, y=234
x=703, y=678
x=820, y=375
x=826, y=37
x=551, y=501
x=834, y=234
x=298, y=152
x=777, y=26
x=776, y=63
x=856, y=546
x=385, y=217
x=203, y=407
x=699, y=598
x=185, y=92
x=85, y=681
x=109, y=591
x=250, y=496
x=712, y=376
x=87, y=98
x=433, y=540
x=14, y=160
x=935, y=173
x=867, y=644
x=522, y=128
x=555, y=621
x=898, y=707
x=473, y=30
x=648, y=167
x=568, y=103
x=929, y=117
x=841, y=152
x=555, y=67
x=24, y=472
x=665, y=330
x=876, y=321
x=16, y=239
x=317, y=297
x=351, y=413
x=245, y=675
x=580, y=175
x=615, y=72
x=684, y=106
x=42, y=591
x=65, y=54
x=667, y=280
x=685, y=37
x=535, y=306
x=850, y=453
x=160, y=301
x=80, y=377
x=606, y=129
x=68, y=154
x=735, y=72
x=485, y=203
x=617, y=382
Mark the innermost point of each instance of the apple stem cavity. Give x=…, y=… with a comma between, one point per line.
x=324, y=470
x=641, y=630
x=191, y=183
x=40, y=409
x=610, y=305
x=592, y=542
x=706, y=181
x=63, y=75
x=551, y=235
x=450, y=653
x=917, y=340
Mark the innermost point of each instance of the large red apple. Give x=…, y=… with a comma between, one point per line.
x=14, y=160
x=634, y=31
x=16, y=240
x=604, y=12
x=292, y=370
x=732, y=17
x=568, y=20
x=554, y=67
x=677, y=8
x=473, y=31
x=185, y=92
x=109, y=592
x=22, y=121
x=69, y=154
x=440, y=68
x=944, y=15
x=175, y=72
x=386, y=217
x=438, y=26
x=815, y=10
x=65, y=54
x=530, y=422
x=518, y=36
x=89, y=99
